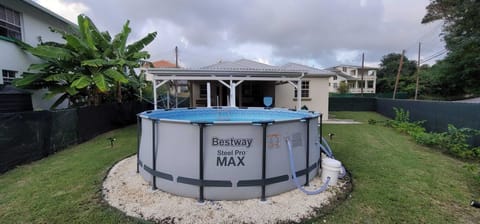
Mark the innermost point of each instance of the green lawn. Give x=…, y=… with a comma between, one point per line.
x=66, y=187
x=395, y=181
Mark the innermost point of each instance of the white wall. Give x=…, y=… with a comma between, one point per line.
x=318, y=100
x=34, y=24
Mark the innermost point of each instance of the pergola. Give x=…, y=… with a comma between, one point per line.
x=230, y=78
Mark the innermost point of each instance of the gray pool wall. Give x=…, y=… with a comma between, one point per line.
x=232, y=154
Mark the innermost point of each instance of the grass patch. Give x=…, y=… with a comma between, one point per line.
x=65, y=187
x=395, y=180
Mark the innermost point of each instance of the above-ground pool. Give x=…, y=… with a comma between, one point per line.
x=227, y=153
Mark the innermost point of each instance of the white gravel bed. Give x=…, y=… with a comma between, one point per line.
x=126, y=190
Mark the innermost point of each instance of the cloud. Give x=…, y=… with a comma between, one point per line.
x=69, y=10
x=320, y=33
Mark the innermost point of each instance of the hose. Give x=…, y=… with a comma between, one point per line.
x=327, y=146
x=295, y=180
x=328, y=151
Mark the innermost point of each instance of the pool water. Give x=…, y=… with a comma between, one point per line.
x=212, y=115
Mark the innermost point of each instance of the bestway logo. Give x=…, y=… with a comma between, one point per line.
x=232, y=142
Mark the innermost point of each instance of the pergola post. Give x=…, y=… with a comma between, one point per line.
x=155, y=86
x=232, y=87
x=154, y=94
x=232, y=94
x=298, y=87
x=168, y=96
x=299, y=94
x=209, y=93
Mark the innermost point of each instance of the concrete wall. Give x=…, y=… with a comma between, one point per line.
x=318, y=100
x=35, y=24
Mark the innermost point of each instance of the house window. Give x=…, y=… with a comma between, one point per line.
x=353, y=72
x=203, y=90
x=305, y=89
x=335, y=85
x=370, y=84
x=10, y=25
x=344, y=69
x=361, y=84
x=8, y=76
x=334, y=77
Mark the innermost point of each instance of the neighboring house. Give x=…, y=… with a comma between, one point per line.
x=27, y=21
x=180, y=86
x=253, y=81
x=352, y=76
x=314, y=89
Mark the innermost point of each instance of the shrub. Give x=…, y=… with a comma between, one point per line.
x=401, y=115
x=454, y=141
x=430, y=139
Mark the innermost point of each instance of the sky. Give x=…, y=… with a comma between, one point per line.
x=316, y=33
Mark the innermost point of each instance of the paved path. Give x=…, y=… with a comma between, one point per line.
x=340, y=121
x=473, y=100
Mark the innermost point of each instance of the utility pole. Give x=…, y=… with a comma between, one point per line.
x=398, y=74
x=362, y=84
x=418, y=69
x=176, y=56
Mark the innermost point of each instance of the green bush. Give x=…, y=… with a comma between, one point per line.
x=401, y=115
x=402, y=123
x=430, y=139
x=454, y=141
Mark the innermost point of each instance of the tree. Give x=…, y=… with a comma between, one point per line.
x=342, y=88
x=388, y=71
x=86, y=67
x=459, y=71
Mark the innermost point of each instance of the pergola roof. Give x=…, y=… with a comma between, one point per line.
x=354, y=66
x=310, y=71
x=236, y=72
x=239, y=70
x=242, y=64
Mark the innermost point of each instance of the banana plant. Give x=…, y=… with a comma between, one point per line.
x=86, y=66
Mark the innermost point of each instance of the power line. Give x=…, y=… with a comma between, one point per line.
x=428, y=34
x=435, y=55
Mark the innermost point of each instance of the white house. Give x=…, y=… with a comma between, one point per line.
x=352, y=76
x=244, y=83
x=27, y=21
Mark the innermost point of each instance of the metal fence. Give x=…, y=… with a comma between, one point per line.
x=436, y=114
x=352, y=104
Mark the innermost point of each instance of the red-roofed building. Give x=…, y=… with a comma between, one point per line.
x=163, y=64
